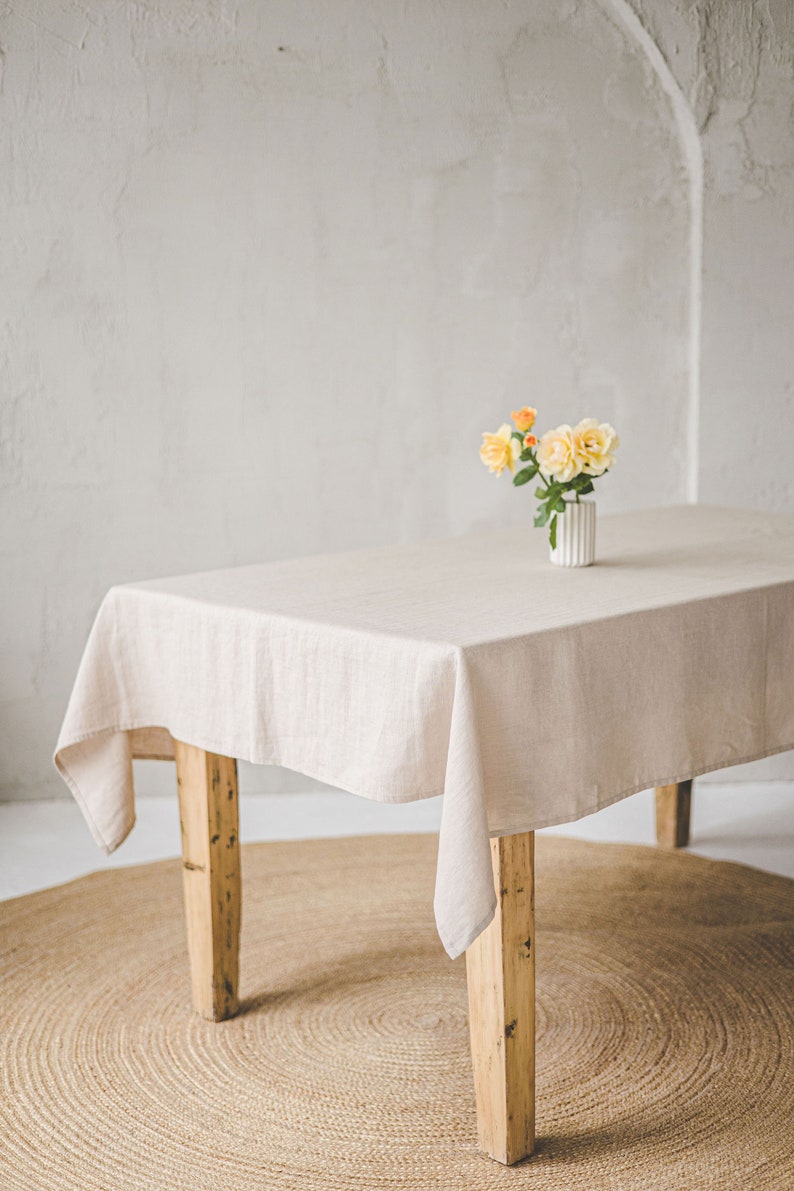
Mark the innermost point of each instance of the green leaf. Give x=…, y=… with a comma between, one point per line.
x=553, y=532
x=527, y=454
x=542, y=493
x=559, y=504
x=523, y=476
x=517, y=434
x=542, y=517
x=588, y=487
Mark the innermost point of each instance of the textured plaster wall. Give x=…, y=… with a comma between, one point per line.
x=267, y=271
x=735, y=64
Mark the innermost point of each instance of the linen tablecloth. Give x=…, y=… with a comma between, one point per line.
x=526, y=694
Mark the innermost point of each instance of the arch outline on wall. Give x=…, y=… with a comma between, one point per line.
x=692, y=152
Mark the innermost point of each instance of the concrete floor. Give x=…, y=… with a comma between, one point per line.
x=46, y=843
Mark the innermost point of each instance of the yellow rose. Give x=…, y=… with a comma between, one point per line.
x=595, y=443
x=500, y=450
x=524, y=418
x=558, y=453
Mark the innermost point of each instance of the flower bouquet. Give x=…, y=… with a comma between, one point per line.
x=566, y=460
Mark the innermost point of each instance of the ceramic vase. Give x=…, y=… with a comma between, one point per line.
x=575, y=535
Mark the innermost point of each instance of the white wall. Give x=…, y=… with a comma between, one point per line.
x=735, y=63
x=268, y=270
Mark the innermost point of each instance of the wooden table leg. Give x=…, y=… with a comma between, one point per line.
x=673, y=806
x=500, y=966
x=211, y=876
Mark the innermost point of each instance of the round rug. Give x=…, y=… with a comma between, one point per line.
x=665, y=1031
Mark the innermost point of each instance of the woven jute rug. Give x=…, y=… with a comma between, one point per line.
x=665, y=1032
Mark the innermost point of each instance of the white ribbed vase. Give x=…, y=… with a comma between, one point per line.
x=575, y=535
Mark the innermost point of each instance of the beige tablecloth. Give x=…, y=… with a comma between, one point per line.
x=527, y=694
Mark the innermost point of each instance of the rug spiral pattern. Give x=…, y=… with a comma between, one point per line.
x=665, y=1030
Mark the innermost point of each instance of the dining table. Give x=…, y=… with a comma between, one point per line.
x=526, y=694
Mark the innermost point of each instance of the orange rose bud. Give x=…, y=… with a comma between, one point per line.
x=524, y=418
x=530, y=440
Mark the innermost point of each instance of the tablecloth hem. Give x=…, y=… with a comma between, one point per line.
x=99, y=838
x=316, y=773
x=556, y=821
x=456, y=949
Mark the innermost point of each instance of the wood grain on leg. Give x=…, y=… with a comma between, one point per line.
x=501, y=975
x=673, y=806
x=211, y=876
